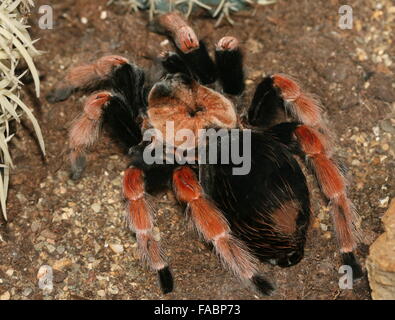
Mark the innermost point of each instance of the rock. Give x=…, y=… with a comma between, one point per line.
x=381, y=260
x=383, y=203
x=96, y=207
x=26, y=292
x=254, y=46
x=101, y=293
x=50, y=248
x=388, y=126
x=103, y=15
x=156, y=234
x=116, y=248
x=45, y=279
x=61, y=264
x=5, y=296
x=113, y=290
x=60, y=249
x=9, y=272
x=35, y=226
x=324, y=227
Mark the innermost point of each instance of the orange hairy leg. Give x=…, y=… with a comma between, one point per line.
x=139, y=215
x=213, y=226
x=84, y=76
x=333, y=184
x=85, y=130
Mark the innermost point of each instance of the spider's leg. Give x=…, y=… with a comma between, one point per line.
x=213, y=226
x=85, y=129
x=101, y=107
x=88, y=77
x=229, y=60
x=192, y=51
x=139, y=216
x=278, y=93
x=332, y=182
x=303, y=106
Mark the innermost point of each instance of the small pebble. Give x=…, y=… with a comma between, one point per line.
x=113, y=290
x=355, y=162
x=5, y=296
x=116, y=248
x=164, y=43
x=103, y=15
x=96, y=207
x=50, y=248
x=26, y=292
x=101, y=293
x=60, y=249
x=35, y=226
x=84, y=20
x=385, y=147
x=327, y=235
x=383, y=203
x=156, y=233
x=61, y=264
x=323, y=226
x=45, y=278
x=9, y=272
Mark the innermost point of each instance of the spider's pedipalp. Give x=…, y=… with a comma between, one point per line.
x=139, y=215
x=229, y=60
x=85, y=76
x=212, y=225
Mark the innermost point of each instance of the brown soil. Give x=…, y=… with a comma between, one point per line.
x=72, y=225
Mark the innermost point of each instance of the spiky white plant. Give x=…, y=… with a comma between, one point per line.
x=219, y=9
x=15, y=46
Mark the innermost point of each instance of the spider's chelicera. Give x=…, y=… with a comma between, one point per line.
x=261, y=214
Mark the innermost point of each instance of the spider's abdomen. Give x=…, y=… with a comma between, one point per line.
x=269, y=207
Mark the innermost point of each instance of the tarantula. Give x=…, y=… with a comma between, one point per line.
x=262, y=215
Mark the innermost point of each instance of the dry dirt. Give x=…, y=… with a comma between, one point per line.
x=73, y=226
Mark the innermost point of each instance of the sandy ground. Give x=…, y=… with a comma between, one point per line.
x=73, y=226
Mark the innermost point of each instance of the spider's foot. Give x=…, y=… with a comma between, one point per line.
x=183, y=35
x=77, y=168
x=60, y=94
x=186, y=39
x=350, y=260
x=262, y=285
x=228, y=43
x=165, y=280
